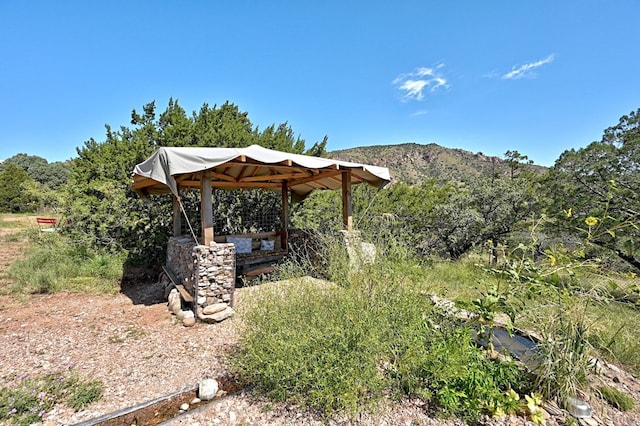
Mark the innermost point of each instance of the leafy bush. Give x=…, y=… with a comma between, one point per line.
x=311, y=348
x=332, y=348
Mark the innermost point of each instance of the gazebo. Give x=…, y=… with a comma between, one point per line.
x=169, y=169
x=212, y=280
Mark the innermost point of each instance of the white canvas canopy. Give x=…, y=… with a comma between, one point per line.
x=169, y=169
x=251, y=167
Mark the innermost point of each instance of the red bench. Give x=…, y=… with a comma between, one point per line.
x=49, y=221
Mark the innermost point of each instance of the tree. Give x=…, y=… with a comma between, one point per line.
x=102, y=208
x=13, y=196
x=52, y=175
x=487, y=209
x=514, y=161
x=600, y=182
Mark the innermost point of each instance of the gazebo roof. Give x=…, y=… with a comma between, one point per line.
x=250, y=167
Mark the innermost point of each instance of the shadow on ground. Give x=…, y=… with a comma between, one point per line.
x=142, y=286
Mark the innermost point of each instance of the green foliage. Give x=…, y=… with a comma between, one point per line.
x=601, y=181
x=487, y=209
x=616, y=398
x=49, y=175
x=443, y=366
x=615, y=332
x=84, y=393
x=564, y=354
x=341, y=347
x=514, y=160
x=28, y=403
x=103, y=210
x=547, y=290
x=432, y=218
x=533, y=404
x=13, y=197
x=53, y=263
x=28, y=182
x=311, y=348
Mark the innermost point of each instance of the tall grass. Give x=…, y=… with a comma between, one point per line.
x=616, y=333
x=373, y=332
x=52, y=263
x=342, y=347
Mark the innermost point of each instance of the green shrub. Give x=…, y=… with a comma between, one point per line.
x=311, y=347
x=445, y=367
x=53, y=263
x=28, y=403
x=341, y=348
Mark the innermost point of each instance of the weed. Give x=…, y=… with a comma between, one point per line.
x=616, y=398
x=53, y=263
x=28, y=403
x=129, y=332
x=84, y=393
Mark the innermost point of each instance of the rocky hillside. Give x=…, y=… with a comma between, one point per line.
x=413, y=163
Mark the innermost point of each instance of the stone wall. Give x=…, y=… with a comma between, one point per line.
x=206, y=272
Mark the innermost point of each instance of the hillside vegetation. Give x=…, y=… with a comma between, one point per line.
x=414, y=163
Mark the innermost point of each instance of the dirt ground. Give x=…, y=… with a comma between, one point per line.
x=140, y=352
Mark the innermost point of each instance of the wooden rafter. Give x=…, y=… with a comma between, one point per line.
x=275, y=177
x=273, y=166
x=241, y=174
x=313, y=178
x=222, y=176
x=231, y=185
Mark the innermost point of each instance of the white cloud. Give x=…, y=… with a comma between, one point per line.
x=413, y=85
x=526, y=70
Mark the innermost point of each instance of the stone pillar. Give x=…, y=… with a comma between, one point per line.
x=207, y=272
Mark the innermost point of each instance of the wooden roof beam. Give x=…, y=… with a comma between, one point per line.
x=280, y=176
x=273, y=166
x=321, y=175
x=231, y=185
x=222, y=176
x=241, y=174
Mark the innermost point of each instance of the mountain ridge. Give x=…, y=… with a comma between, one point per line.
x=413, y=162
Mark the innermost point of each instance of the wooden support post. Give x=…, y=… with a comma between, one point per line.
x=206, y=208
x=284, y=236
x=347, y=207
x=177, y=217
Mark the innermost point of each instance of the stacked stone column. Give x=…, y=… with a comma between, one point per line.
x=207, y=272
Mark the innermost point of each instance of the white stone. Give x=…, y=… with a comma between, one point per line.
x=195, y=401
x=184, y=407
x=213, y=309
x=175, y=302
x=223, y=315
x=207, y=389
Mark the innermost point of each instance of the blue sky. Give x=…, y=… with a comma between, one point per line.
x=538, y=76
